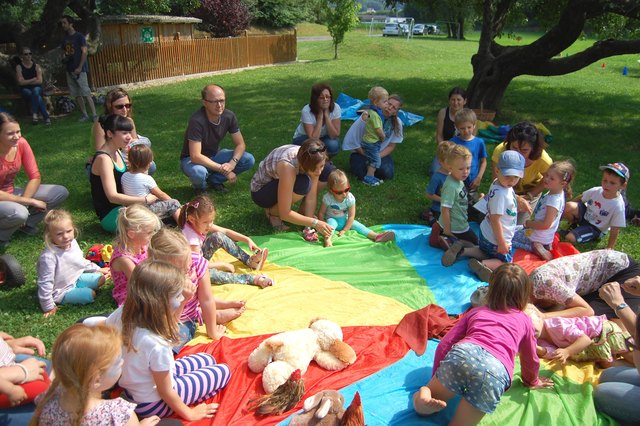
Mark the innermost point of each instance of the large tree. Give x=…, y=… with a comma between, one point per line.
x=495, y=65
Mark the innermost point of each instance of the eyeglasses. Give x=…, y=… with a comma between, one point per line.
x=346, y=191
x=26, y=54
x=215, y=101
x=326, y=98
x=122, y=106
x=317, y=150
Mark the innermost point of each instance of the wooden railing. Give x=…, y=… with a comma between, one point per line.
x=114, y=65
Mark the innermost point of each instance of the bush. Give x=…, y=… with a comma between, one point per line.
x=280, y=13
x=223, y=18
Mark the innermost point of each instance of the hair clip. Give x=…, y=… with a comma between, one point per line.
x=317, y=150
x=194, y=204
x=567, y=176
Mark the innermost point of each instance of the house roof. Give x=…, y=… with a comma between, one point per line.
x=148, y=19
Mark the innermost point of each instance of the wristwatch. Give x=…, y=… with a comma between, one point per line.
x=621, y=307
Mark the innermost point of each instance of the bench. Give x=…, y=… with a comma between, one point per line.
x=23, y=107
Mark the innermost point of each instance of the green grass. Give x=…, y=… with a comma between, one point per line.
x=591, y=113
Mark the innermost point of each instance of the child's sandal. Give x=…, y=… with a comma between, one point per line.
x=257, y=259
x=310, y=235
x=263, y=281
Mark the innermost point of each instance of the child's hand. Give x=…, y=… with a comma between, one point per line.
x=151, y=198
x=106, y=272
x=341, y=233
x=226, y=267
x=16, y=395
x=150, y=421
x=541, y=351
x=503, y=248
x=543, y=383
x=252, y=246
x=50, y=313
x=189, y=290
x=202, y=411
x=365, y=115
x=561, y=355
x=218, y=332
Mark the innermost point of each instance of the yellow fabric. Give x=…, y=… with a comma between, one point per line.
x=295, y=299
x=532, y=174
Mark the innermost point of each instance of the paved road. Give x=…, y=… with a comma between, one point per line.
x=314, y=38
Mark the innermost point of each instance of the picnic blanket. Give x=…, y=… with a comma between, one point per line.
x=368, y=288
x=350, y=107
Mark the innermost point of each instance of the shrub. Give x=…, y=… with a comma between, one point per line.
x=223, y=18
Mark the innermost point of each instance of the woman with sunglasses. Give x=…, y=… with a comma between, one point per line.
x=29, y=76
x=525, y=138
x=320, y=119
x=291, y=173
x=118, y=102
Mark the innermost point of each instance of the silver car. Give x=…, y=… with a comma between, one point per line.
x=418, y=29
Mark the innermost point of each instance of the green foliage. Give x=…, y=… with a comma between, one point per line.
x=279, y=13
x=341, y=18
x=23, y=11
x=223, y=18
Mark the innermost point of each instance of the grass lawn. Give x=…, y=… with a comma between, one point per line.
x=592, y=115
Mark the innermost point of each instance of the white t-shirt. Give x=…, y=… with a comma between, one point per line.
x=152, y=353
x=353, y=139
x=137, y=184
x=501, y=201
x=307, y=117
x=336, y=208
x=556, y=201
x=193, y=238
x=603, y=213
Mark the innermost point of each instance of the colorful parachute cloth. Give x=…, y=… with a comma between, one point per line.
x=367, y=288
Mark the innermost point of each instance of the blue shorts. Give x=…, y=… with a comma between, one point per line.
x=585, y=231
x=83, y=292
x=491, y=250
x=473, y=373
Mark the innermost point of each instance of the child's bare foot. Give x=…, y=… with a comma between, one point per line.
x=229, y=304
x=262, y=281
x=385, y=236
x=224, y=316
x=425, y=404
x=328, y=242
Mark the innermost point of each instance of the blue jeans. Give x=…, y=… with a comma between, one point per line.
x=358, y=164
x=618, y=393
x=200, y=176
x=372, y=152
x=34, y=96
x=333, y=145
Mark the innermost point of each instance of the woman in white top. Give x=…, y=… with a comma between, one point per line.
x=320, y=119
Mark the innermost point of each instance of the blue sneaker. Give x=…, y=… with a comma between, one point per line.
x=371, y=181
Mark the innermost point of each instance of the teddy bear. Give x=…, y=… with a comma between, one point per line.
x=279, y=355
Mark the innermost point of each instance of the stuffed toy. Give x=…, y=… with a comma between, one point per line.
x=100, y=254
x=280, y=355
x=325, y=409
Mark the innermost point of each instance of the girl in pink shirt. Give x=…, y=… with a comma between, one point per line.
x=476, y=358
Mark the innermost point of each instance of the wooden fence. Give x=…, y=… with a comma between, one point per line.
x=131, y=63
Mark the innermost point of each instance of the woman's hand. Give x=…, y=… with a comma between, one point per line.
x=35, y=369
x=38, y=204
x=561, y=355
x=23, y=346
x=324, y=228
x=632, y=285
x=611, y=294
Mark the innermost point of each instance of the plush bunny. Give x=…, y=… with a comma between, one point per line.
x=322, y=409
x=279, y=355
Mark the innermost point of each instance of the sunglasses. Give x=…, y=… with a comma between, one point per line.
x=317, y=150
x=121, y=106
x=26, y=54
x=346, y=191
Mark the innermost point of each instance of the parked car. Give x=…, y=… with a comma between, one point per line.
x=392, y=30
x=432, y=29
x=418, y=29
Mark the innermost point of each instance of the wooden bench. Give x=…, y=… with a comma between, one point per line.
x=23, y=107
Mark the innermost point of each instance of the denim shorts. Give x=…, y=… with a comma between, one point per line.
x=491, y=250
x=585, y=231
x=473, y=373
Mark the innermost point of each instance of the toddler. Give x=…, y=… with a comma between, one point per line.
x=205, y=237
x=592, y=338
x=476, y=358
x=465, y=121
x=151, y=377
x=136, y=182
x=600, y=209
x=434, y=189
x=88, y=361
x=374, y=134
x=64, y=275
x=537, y=233
x=499, y=224
x=338, y=209
x=171, y=246
x=453, y=224
x=136, y=225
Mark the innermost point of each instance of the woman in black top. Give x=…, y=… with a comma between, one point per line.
x=29, y=76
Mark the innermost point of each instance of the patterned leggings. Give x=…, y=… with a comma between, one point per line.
x=217, y=240
x=197, y=378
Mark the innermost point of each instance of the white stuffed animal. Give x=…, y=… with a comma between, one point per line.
x=279, y=355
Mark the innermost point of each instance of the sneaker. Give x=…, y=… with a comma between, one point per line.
x=84, y=118
x=94, y=118
x=29, y=230
x=450, y=256
x=542, y=252
x=219, y=187
x=371, y=181
x=481, y=271
x=47, y=122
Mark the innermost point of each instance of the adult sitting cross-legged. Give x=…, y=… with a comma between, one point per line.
x=201, y=159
